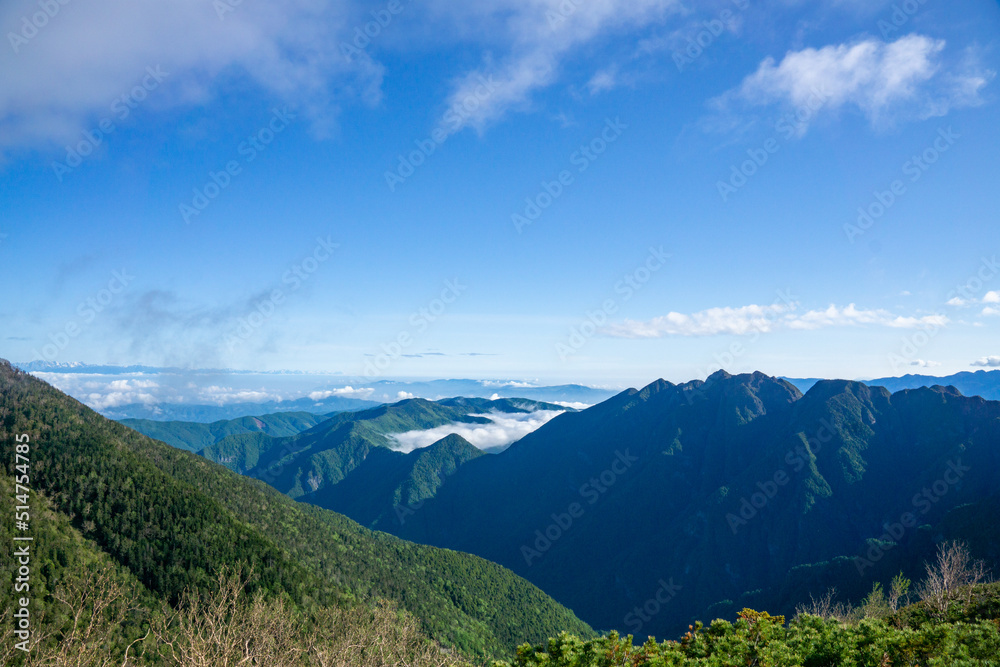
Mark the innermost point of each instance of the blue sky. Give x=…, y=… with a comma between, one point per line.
x=656, y=257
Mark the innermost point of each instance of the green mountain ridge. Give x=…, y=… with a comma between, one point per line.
x=389, y=486
x=174, y=520
x=327, y=454
x=195, y=436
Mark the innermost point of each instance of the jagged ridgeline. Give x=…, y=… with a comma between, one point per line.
x=166, y=521
x=692, y=501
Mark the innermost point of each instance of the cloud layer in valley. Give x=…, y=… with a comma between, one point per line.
x=108, y=391
x=504, y=429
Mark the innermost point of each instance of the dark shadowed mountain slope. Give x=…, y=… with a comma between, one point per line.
x=389, y=486
x=702, y=492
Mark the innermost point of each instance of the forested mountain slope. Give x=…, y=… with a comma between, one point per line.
x=174, y=520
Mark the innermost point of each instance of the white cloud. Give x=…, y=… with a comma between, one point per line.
x=66, y=77
x=573, y=404
x=403, y=395
x=102, y=395
x=540, y=35
x=987, y=362
x=852, y=315
x=989, y=298
x=517, y=384
x=218, y=395
x=742, y=320
x=883, y=80
x=346, y=392
x=101, y=391
x=603, y=80
x=764, y=319
x=504, y=429
x=923, y=363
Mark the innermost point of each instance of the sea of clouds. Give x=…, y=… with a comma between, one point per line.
x=504, y=428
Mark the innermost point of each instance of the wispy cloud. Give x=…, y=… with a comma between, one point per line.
x=517, y=384
x=540, y=35
x=989, y=300
x=346, y=392
x=852, y=316
x=90, y=54
x=576, y=405
x=742, y=320
x=504, y=429
x=885, y=81
x=765, y=319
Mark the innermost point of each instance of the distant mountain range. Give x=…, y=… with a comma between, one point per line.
x=970, y=383
x=195, y=436
x=202, y=413
x=438, y=389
